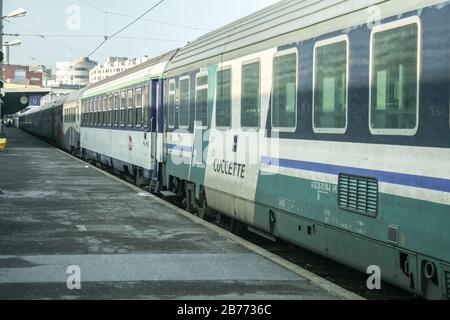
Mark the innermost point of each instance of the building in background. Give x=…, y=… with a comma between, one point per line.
x=74, y=72
x=112, y=66
x=47, y=73
x=24, y=75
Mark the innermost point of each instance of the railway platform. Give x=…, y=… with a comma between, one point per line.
x=71, y=231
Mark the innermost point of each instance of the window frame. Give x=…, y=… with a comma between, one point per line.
x=132, y=107
x=110, y=109
x=197, y=88
x=91, y=111
x=385, y=27
x=105, y=110
x=116, y=109
x=146, y=91
x=224, y=68
x=123, y=107
x=96, y=108
x=297, y=80
x=319, y=44
x=188, y=77
x=138, y=104
x=174, y=92
x=244, y=63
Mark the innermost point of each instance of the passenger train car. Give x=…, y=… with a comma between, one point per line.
x=324, y=123
x=71, y=122
x=45, y=121
x=57, y=121
x=122, y=118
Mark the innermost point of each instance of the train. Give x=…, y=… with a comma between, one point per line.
x=322, y=123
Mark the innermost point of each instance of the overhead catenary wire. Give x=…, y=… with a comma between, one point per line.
x=195, y=28
x=45, y=37
x=90, y=36
x=106, y=38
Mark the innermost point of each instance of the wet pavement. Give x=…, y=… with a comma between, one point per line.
x=57, y=212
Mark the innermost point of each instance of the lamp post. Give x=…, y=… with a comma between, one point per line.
x=6, y=46
x=15, y=14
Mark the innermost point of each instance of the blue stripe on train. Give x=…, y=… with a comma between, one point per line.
x=423, y=182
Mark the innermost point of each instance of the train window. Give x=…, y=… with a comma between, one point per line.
x=95, y=107
x=183, y=108
x=171, y=104
x=110, y=109
x=88, y=111
x=394, y=88
x=95, y=121
x=91, y=112
x=330, y=85
x=138, y=110
x=201, y=100
x=116, y=111
x=130, y=108
x=250, y=95
x=145, y=105
x=100, y=111
x=91, y=116
x=284, y=106
x=223, y=99
x=123, y=103
x=105, y=110
x=83, y=113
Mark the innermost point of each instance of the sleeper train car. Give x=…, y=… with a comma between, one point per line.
x=323, y=123
x=317, y=125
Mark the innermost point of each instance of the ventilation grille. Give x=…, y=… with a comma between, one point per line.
x=447, y=281
x=358, y=194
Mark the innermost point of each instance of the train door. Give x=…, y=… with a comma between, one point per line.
x=159, y=132
x=153, y=122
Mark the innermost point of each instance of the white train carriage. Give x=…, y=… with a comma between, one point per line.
x=121, y=119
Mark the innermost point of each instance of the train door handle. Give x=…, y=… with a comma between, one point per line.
x=235, y=144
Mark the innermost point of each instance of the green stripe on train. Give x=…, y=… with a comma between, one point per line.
x=418, y=221
x=122, y=85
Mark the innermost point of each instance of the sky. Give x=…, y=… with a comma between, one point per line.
x=74, y=28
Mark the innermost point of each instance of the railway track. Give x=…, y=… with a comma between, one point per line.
x=337, y=273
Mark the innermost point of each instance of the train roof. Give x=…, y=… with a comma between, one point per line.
x=153, y=68
x=284, y=22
